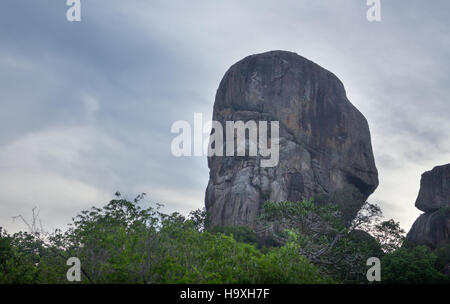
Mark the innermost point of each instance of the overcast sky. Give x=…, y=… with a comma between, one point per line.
x=86, y=107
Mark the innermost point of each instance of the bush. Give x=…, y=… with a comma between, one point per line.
x=283, y=265
x=411, y=266
x=240, y=233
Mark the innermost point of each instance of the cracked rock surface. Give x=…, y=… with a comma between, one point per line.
x=433, y=227
x=325, y=141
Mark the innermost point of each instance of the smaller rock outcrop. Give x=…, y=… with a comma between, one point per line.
x=433, y=227
x=430, y=229
x=434, y=191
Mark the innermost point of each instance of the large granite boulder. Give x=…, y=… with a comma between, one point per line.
x=433, y=227
x=325, y=144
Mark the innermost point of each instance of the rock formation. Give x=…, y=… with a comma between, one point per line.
x=325, y=144
x=433, y=227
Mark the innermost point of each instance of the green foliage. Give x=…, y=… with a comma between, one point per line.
x=240, y=233
x=126, y=243
x=389, y=235
x=17, y=257
x=325, y=238
x=283, y=265
x=411, y=265
x=318, y=232
x=192, y=257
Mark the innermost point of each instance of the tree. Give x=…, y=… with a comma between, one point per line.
x=18, y=257
x=389, y=235
x=327, y=239
x=318, y=232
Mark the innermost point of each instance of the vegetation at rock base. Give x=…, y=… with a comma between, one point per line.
x=416, y=265
x=124, y=242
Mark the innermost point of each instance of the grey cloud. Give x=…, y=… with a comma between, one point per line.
x=88, y=106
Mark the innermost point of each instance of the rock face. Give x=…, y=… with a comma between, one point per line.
x=433, y=227
x=324, y=142
x=434, y=191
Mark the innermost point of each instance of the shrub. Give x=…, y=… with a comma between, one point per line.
x=415, y=265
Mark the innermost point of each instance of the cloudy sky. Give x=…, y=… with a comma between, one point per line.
x=86, y=107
